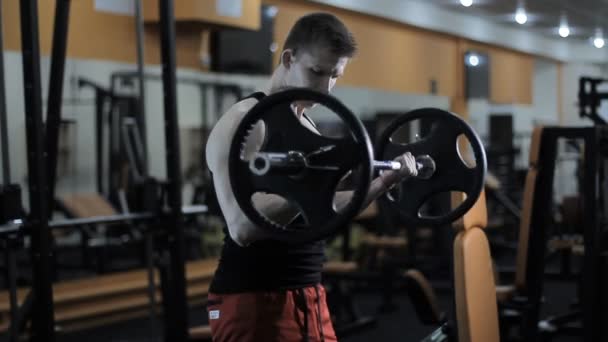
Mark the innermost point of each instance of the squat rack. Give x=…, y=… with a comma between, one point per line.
x=593, y=194
x=41, y=169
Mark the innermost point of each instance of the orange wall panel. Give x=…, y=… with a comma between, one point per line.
x=205, y=11
x=392, y=56
x=511, y=74
x=100, y=35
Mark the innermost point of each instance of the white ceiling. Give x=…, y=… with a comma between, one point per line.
x=583, y=16
x=492, y=22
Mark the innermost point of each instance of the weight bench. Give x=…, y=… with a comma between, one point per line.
x=87, y=205
x=506, y=293
x=474, y=287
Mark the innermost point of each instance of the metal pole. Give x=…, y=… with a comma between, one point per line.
x=11, y=276
x=154, y=217
x=54, y=101
x=113, y=147
x=100, y=98
x=10, y=257
x=592, y=294
x=535, y=268
x=149, y=241
x=43, y=320
x=141, y=118
x=6, y=168
x=176, y=328
x=203, y=93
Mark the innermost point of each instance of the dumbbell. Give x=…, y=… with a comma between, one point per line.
x=295, y=161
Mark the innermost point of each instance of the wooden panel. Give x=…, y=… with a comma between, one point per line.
x=511, y=74
x=397, y=57
x=200, y=332
x=205, y=11
x=391, y=56
x=458, y=105
x=12, y=29
x=92, y=34
x=459, y=102
x=87, y=205
x=511, y=78
x=100, y=35
x=92, y=301
x=187, y=45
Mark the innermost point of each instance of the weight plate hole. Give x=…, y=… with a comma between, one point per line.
x=465, y=151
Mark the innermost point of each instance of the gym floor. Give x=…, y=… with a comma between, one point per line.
x=402, y=322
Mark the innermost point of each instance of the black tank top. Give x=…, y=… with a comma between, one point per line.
x=267, y=265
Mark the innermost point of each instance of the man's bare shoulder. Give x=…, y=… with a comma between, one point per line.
x=228, y=122
x=222, y=132
x=237, y=111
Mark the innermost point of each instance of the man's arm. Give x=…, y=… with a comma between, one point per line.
x=240, y=228
x=383, y=183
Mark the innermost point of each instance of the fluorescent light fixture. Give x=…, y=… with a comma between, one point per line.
x=473, y=60
x=598, y=40
x=564, y=30
x=466, y=3
x=520, y=15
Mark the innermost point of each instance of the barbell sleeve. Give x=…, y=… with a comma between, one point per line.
x=392, y=165
x=386, y=165
x=424, y=164
x=262, y=162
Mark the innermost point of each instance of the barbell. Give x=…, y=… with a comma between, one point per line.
x=305, y=167
x=295, y=162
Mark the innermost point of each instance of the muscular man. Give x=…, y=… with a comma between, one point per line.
x=265, y=290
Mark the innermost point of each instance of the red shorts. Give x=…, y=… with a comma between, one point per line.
x=286, y=315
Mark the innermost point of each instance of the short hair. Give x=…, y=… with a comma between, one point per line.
x=322, y=30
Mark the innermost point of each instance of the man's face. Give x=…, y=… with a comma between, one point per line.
x=315, y=68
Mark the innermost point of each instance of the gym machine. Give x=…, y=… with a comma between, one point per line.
x=39, y=304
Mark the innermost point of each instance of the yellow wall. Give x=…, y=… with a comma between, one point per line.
x=511, y=74
x=206, y=10
x=392, y=56
x=397, y=57
x=99, y=35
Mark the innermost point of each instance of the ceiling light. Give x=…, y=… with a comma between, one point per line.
x=564, y=30
x=598, y=40
x=271, y=11
x=466, y=3
x=473, y=60
x=520, y=15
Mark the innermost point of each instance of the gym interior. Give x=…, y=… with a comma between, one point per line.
x=110, y=223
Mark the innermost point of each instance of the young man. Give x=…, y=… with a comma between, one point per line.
x=265, y=290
